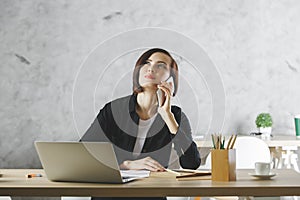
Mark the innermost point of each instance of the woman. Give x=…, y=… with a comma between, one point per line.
x=144, y=125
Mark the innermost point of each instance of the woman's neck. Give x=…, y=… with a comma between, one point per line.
x=146, y=104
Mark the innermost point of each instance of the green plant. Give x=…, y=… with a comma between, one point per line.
x=264, y=120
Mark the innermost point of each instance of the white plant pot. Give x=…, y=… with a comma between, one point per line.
x=266, y=132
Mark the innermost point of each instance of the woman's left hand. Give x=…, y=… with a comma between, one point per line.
x=164, y=106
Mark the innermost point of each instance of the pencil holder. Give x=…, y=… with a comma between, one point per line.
x=223, y=164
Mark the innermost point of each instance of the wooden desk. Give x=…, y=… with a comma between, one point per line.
x=14, y=183
x=275, y=141
x=281, y=140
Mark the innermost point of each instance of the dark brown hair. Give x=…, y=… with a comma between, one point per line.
x=137, y=88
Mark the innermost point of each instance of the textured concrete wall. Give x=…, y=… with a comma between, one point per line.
x=254, y=44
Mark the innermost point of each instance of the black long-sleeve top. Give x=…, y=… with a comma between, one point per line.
x=117, y=122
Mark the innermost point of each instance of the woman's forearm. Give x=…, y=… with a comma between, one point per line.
x=171, y=122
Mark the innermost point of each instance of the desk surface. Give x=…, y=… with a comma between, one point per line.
x=275, y=141
x=14, y=183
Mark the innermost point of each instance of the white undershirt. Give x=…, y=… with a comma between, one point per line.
x=144, y=126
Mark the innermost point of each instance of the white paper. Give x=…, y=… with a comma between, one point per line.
x=135, y=173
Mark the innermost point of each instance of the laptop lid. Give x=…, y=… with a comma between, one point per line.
x=79, y=161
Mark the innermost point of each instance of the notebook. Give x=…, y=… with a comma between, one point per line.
x=189, y=173
x=82, y=162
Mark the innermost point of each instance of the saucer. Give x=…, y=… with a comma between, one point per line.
x=266, y=176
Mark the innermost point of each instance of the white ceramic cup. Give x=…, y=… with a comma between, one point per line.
x=262, y=168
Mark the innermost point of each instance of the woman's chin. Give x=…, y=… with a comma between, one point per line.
x=152, y=86
x=149, y=84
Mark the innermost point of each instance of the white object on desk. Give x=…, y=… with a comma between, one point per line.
x=262, y=168
x=74, y=198
x=265, y=176
x=135, y=173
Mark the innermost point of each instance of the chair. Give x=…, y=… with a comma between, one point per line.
x=290, y=158
x=249, y=151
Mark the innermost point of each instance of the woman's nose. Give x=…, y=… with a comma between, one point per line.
x=150, y=68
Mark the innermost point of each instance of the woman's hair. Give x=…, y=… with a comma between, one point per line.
x=137, y=88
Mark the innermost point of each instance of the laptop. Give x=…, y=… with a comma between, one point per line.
x=82, y=162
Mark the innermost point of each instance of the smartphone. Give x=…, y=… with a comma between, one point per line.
x=160, y=94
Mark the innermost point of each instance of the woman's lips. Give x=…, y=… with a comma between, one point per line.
x=149, y=76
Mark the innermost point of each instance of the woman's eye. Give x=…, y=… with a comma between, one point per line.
x=161, y=65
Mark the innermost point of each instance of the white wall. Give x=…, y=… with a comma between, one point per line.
x=254, y=44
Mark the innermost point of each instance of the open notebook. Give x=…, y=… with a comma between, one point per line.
x=186, y=173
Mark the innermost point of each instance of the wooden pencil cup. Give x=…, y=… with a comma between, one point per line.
x=223, y=164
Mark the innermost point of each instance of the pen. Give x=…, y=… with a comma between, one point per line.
x=173, y=172
x=33, y=175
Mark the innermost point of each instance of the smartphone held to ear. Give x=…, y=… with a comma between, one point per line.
x=159, y=94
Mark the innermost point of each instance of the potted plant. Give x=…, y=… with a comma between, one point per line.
x=264, y=123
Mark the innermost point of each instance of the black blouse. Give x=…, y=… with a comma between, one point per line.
x=117, y=122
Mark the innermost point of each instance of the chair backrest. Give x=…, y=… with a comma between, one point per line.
x=248, y=151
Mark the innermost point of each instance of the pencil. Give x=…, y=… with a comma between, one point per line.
x=213, y=141
x=232, y=144
x=33, y=175
x=223, y=143
x=173, y=172
x=228, y=144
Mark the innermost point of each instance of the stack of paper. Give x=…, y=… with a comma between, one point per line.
x=135, y=173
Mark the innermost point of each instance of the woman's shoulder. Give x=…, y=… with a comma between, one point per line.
x=122, y=101
x=118, y=105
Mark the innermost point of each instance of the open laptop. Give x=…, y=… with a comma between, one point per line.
x=81, y=162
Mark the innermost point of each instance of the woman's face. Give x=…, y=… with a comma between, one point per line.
x=155, y=70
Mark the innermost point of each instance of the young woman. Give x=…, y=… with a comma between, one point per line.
x=143, y=126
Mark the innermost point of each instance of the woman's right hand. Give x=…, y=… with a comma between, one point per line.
x=145, y=163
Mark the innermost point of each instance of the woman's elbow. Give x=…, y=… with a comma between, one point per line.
x=191, y=164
